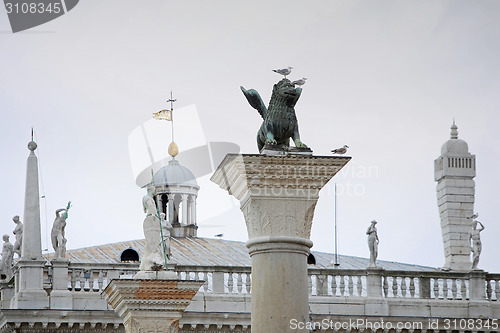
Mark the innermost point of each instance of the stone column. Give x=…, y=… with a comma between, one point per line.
x=151, y=305
x=193, y=210
x=185, y=220
x=29, y=279
x=60, y=297
x=278, y=195
x=170, y=205
x=159, y=203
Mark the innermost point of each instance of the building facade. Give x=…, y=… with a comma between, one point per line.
x=48, y=294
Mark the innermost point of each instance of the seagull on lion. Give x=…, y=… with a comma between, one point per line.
x=341, y=151
x=284, y=71
x=300, y=82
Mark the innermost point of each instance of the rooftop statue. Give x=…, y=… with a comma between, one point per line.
x=18, y=232
x=280, y=123
x=373, y=243
x=475, y=238
x=7, y=256
x=153, y=254
x=57, y=234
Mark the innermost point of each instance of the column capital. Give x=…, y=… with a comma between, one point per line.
x=266, y=176
x=278, y=194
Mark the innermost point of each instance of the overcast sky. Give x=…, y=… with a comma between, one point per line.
x=385, y=77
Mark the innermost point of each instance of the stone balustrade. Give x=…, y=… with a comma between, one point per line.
x=438, y=285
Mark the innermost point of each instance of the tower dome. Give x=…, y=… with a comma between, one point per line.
x=176, y=192
x=454, y=146
x=174, y=174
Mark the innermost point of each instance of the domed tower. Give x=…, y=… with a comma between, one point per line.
x=176, y=193
x=454, y=171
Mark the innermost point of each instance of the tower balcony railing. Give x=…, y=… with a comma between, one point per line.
x=323, y=282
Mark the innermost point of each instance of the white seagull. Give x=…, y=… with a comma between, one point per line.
x=300, y=82
x=284, y=71
x=340, y=151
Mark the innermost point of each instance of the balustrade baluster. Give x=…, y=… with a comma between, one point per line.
x=249, y=283
x=436, y=288
x=412, y=287
x=461, y=289
x=394, y=286
x=454, y=288
x=100, y=281
x=359, y=286
x=488, y=289
x=310, y=285
x=86, y=278
x=342, y=285
x=497, y=290
x=230, y=282
x=239, y=283
x=73, y=279
x=445, y=289
x=350, y=286
x=97, y=277
x=70, y=277
x=321, y=285
x=403, y=286
x=334, y=285
x=81, y=280
x=386, y=287
x=91, y=280
x=205, y=278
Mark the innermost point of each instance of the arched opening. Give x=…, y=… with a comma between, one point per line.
x=129, y=255
x=311, y=260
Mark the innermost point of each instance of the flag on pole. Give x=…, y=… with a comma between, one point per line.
x=163, y=115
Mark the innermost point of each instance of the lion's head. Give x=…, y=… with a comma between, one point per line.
x=284, y=94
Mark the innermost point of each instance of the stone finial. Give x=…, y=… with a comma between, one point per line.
x=173, y=150
x=32, y=145
x=454, y=131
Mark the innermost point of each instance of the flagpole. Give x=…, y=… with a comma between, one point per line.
x=335, y=223
x=172, y=100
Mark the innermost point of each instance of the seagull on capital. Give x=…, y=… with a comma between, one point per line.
x=300, y=82
x=340, y=151
x=284, y=71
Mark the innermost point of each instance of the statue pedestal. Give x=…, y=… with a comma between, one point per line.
x=29, y=285
x=150, y=304
x=278, y=195
x=60, y=297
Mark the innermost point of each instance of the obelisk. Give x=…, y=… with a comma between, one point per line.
x=30, y=293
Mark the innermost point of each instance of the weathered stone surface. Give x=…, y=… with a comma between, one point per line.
x=151, y=305
x=278, y=195
x=454, y=171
